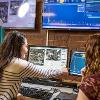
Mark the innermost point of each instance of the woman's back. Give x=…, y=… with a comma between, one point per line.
x=9, y=83
x=90, y=87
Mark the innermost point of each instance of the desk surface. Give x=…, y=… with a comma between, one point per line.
x=61, y=89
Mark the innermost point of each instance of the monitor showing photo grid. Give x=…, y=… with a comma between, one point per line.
x=55, y=57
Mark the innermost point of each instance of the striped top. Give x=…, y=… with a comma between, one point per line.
x=12, y=75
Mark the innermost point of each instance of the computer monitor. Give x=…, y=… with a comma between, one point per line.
x=18, y=14
x=77, y=62
x=71, y=14
x=47, y=56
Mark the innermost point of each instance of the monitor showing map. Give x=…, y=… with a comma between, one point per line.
x=47, y=56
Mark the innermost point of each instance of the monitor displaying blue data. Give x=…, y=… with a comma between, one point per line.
x=77, y=62
x=71, y=14
x=47, y=56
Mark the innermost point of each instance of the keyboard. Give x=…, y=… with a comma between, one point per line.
x=37, y=93
x=46, y=94
x=46, y=89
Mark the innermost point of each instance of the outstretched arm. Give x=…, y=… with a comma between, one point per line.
x=31, y=70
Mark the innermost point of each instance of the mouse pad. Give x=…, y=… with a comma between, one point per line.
x=66, y=96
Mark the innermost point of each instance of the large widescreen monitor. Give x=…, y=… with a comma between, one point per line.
x=77, y=62
x=71, y=14
x=18, y=14
x=47, y=56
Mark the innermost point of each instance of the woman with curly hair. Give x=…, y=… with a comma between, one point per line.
x=90, y=86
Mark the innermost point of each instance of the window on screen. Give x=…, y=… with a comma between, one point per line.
x=71, y=14
x=52, y=57
x=18, y=14
x=77, y=62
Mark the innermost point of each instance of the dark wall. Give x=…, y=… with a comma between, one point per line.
x=73, y=40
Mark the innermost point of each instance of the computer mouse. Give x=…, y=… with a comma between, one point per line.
x=56, y=99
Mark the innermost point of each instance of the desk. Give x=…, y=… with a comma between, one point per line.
x=61, y=89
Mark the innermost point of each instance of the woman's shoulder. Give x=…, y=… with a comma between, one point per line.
x=21, y=63
x=92, y=78
x=91, y=83
x=16, y=65
x=95, y=76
